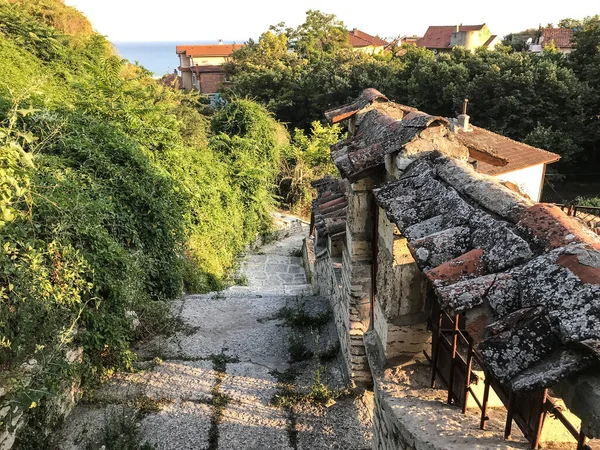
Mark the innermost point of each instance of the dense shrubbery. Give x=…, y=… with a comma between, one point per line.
x=549, y=100
x=116, y=194
x=307, y=158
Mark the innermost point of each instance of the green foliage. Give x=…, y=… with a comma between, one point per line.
x=116, y=195
x=551, y=100
x=120, y=431
x=298, y=317
x=594, y=202
x=307, y=158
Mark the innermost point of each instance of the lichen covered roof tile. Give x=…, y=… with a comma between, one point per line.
x=488, y=251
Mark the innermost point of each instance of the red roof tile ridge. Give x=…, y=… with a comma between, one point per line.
x=366, y=38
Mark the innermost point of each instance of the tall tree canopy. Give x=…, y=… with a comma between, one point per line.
x=550, y=99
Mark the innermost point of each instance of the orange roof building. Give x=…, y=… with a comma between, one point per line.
x=444, y=38
x=364, y=42
x=201, y=66
x=560, y=37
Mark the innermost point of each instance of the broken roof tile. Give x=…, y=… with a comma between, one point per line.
x=469, y=265
x=518, y=347
x=502, y=248
x=552, y=228
x=466, y=294
x=438, y=248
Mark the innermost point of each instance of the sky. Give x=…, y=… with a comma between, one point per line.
x=238, y=20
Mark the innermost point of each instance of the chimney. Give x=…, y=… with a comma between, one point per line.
x=355, y=31
x=220, y=41
x=463, y=119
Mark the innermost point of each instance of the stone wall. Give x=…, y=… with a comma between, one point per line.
x=400, y=309
x=330, y=280
x=410, y=416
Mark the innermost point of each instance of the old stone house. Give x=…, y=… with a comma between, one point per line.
x=440, y=275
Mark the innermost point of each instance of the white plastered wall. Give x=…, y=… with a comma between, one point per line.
x=529, y=180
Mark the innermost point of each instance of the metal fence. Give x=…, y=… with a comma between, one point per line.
x=452, y=359
x=589, y=215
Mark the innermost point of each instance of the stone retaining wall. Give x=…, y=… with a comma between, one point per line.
x=13, y=418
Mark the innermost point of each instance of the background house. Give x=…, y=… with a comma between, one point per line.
x=560, y=37
x=444, y=38
x=524, y=166
x=366, y=43
x=201, y=66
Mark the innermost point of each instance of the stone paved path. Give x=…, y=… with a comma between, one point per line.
x=211, y=387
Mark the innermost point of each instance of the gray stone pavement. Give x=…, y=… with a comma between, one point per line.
x=210, y=386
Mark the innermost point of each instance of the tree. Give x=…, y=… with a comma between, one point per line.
x=320, y=33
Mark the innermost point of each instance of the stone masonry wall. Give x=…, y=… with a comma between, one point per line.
x=355, y=307
x=386, y=430
x=400, y=320
x=356, y=277
x=326, y=284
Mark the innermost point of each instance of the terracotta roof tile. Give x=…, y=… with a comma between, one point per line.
x=360, y=39
x=208, y=50
x=552, y=228
x=469, y=265
x=439, y=36
x=517, y=154
x=529, y=268
x=562, y=37
x=330, y=207
x=365, y=98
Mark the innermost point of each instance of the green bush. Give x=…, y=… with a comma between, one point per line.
x=116, y=195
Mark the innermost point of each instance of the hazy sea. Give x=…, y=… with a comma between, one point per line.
x=158, y=57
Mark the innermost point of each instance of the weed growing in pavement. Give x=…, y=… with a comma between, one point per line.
x=241, y=280
x=297, y=348
x=298, y=317
x=297, y=252
x=120, y=431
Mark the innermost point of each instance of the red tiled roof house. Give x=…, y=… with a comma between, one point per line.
x=560, y=37
x=201, y=66
x=444, y=38
x=363, y=42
